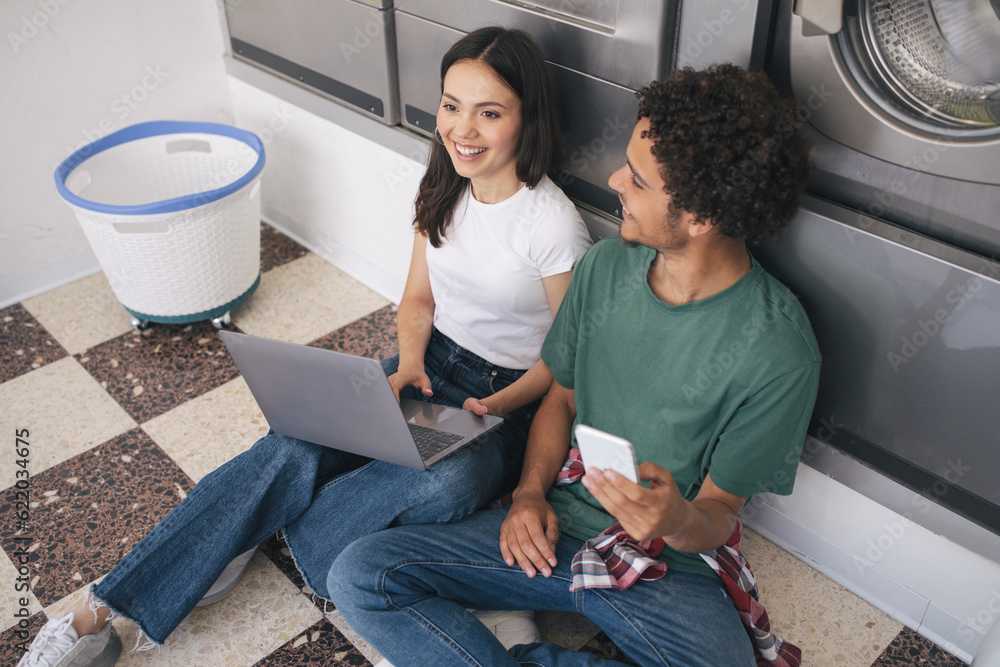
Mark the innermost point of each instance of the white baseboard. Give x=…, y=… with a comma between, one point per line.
x=41, y=279
x=926, y=581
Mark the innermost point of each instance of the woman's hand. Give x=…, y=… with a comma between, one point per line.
x=475, y=406
x=404, y=378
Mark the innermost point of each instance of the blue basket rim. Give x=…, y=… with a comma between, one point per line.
x=152, y=129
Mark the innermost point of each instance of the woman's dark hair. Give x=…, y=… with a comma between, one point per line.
x=520, y=65
x=729, y=149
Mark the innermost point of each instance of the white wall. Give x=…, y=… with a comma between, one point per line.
x=71, y=72
x=347, y=198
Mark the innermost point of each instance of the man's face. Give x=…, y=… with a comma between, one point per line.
x=646, y=216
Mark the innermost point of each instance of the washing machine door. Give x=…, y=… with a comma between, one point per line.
x=915, y=83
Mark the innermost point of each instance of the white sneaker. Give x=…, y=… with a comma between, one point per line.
x=510, y=627
x=58, y=645
x=229, y=579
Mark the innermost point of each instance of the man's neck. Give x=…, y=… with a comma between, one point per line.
x=698, y=271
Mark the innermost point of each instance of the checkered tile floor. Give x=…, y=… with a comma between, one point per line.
x=122, y=425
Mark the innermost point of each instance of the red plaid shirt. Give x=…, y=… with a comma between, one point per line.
x=614, y=560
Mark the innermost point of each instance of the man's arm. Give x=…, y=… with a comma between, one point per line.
x=695, y=526
x=529, y=533
x=706, y=522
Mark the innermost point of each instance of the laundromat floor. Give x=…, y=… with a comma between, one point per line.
x=122, y=424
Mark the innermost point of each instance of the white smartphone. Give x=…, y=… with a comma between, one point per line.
x=607, y=452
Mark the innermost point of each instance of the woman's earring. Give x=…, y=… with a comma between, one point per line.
x=437, y=135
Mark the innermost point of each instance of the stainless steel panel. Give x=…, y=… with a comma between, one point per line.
x=603, y=13
x=958, y=213
x=595, y=117
x=722, y=31
x=596, y=120
x=420, y=45
x=633, y=48
x=343, y=48
x=910, y=332
x=599, y=226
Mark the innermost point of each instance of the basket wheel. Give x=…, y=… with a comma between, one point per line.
x=222, y=321
x=138, y=324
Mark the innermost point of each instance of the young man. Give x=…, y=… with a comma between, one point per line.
x=675, y=339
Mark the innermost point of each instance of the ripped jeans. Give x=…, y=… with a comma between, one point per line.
x=323, y=498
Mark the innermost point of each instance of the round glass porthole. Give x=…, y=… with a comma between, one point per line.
x=932, y=65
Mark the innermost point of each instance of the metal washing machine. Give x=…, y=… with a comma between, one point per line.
x=894, y=253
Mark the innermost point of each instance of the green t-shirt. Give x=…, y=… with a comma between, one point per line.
x=724, y=385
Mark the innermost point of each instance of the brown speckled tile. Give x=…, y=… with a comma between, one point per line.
x=373, y=335
x=603, y=647
x=164, y=366
x=320, y=644
x=277, y=551
x=568, y=629
x=14, y=640
x=276, y=248
x=89, y=511
x=26, y=345
x=911, y=649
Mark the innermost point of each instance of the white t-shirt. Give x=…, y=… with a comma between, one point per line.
x=486, y=276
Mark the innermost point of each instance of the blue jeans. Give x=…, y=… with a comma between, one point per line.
x=406, y=590
x=323, y=498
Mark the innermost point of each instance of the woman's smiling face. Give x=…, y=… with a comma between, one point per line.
x=480, y=123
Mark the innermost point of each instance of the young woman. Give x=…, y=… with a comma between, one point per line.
x=494, y=246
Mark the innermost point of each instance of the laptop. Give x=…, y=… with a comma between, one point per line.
x=345, y=402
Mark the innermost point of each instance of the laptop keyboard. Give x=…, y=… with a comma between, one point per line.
x=431, y=441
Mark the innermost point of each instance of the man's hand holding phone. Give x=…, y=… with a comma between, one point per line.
x=613, y=478
x=646, y=514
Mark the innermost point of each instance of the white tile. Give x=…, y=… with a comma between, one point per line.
x=82, y=314
x=264, y=612
x=303, y=300
x=205, y=432
x=65, y=411
x=366, y=649
x=831, y=625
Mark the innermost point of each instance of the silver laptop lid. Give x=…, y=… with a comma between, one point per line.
x=342, y=401
x=326, y=397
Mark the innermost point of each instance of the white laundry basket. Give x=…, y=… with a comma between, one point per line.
x=172, y=212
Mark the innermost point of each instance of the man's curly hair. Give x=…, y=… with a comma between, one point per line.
x=729, y=149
